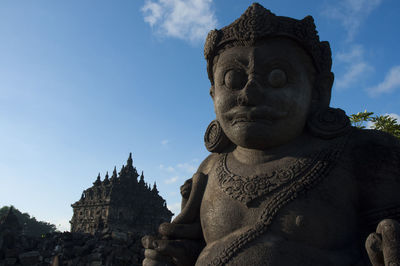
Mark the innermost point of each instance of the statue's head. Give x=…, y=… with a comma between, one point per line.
x=268, y=74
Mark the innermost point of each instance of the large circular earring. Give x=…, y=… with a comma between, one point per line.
x=215, y=139
x=328, y=123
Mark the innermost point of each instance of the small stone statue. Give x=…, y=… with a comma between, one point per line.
x=289, y=181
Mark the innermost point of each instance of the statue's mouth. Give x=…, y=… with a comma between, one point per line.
x=264, y=114
x=246, y=120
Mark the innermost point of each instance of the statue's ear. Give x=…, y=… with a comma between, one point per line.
x=324, y=86
x=212, y=90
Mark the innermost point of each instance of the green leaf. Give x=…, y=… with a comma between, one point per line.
x=384, y=123
x=360, y=119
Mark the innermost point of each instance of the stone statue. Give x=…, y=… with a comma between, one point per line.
x=289, y=181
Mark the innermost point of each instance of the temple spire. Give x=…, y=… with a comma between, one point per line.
x=129, y=162
x=106, y=180
x=114, y=172
x=141, y=180
x=98, y=181
x=155, y=187
x=10, y=221
x=130, y=171
x=142, y=177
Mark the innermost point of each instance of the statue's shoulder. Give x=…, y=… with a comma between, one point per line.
x=373, y=138
x=208, y=163
x=203, y=171
x=193, y=189
x=375, y=162
x=373, y=151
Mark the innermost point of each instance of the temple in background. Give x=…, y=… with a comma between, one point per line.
x=120, y=202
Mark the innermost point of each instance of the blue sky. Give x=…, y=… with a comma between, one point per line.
x=83, y=83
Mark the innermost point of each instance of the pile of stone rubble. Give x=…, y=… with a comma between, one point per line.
x=67, y=249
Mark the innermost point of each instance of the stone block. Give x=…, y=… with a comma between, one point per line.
x=119, y=236
x=29, y=258
x=10, y=261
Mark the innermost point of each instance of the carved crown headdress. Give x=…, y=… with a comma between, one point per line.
x=258, y=23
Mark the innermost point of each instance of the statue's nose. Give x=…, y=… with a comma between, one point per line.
x=251, y=94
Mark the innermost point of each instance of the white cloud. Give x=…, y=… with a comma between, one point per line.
x=370, y=124
x=184, y=168
x=396, y=116
x=164, y=142
x=351, y=13
x=354, y=65
x=183, y=19
x=154, y=12
x=171, y=180
x=178, y=173
x=353, y=73
x=175, y=208
x=167, y=168
x=356, y=53
x=389, y=84
x=190, y=168
x=62, y=224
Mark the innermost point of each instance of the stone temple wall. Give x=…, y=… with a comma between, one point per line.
x=123, y=202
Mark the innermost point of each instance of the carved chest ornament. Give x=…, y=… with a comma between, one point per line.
x=248, y=188
x=285, y=186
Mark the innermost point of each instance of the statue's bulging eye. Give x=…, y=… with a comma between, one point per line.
x=277, y=78
x=235, y=79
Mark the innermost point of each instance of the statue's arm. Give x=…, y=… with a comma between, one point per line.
x=383, y=243
x=181, y=240
x=379, y=185
x=192, y=193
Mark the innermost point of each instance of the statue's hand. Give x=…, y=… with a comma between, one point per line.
x=383, y=247
x=152, y=257
x=180, y=245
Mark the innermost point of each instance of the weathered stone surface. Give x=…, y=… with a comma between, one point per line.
x=9, y=223
x=108, y=247
x=29, y=258
x=121, y=203
x=289, y=181
x=10, y=261
x=119, y=236
x=75, y=249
